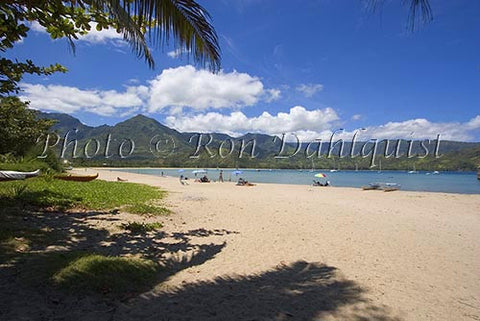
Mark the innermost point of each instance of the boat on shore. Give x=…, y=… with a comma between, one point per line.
x=15, y=175
x=390, y=187
x=77, y=178
x=371, y=187
x=386, y=187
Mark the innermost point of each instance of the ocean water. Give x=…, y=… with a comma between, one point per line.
x=448, y=182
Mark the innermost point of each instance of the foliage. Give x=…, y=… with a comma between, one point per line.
x=185, y=20
x=19, y=126
x=137, y=228
x=104, y=274
x=98, y=195
x=25, y=165
x=12, y=72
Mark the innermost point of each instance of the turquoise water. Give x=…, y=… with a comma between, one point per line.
x=449, y=182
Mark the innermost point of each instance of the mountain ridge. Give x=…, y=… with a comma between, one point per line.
x=145, y=141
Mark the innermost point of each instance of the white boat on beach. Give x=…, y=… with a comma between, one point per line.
x=15, y=175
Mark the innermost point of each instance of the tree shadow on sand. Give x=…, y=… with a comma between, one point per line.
x=25, y=277
x=300, y=291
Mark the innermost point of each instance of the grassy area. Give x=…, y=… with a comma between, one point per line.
x=97, y=195
x=104, y=274
x=26, y=232
x=148, y=209
x=137, y=228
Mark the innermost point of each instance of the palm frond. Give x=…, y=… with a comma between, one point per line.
x=413, y=6
x=425, y=9
x=184, y=20
x=132, y=31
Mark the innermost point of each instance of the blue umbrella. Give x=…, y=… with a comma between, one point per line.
x=181, y=170
x=199, y=171
x=237, y=172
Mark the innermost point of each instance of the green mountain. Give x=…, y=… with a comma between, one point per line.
x=143, y=141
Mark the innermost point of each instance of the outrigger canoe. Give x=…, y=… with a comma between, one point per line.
x=371, y=186
x=14, y=175
x=386, y=187
x=77, y=178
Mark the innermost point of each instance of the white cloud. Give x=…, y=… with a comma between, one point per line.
x=177, y=52
x=298, y=119
x=200, y=89
x=70, y=99
x=94, y=36
x=417, y=129
x=188, y=94
x=310, y=89
x=35, y=26
x=320, y=124
x=173, y=91
x=474, y=123
x=272, y=94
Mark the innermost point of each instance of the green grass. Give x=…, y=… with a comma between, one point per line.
x=75, y=270
x=97, y=195
x=104, y=274
x=148, y=209
x=137, y=228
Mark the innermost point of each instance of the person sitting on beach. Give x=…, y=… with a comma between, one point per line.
x=242, y=182
x=204, y=179
x=317, y=183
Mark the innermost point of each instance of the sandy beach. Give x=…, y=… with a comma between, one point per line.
x=291, y=252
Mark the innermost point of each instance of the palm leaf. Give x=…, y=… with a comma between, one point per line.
x=184, y=20
x=414, y=7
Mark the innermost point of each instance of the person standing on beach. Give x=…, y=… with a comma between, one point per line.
x=220, y=176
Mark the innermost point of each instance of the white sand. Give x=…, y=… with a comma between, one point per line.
x=415, y=255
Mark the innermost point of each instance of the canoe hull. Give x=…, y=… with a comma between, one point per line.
x=14, y=175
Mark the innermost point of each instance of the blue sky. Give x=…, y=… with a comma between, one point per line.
x=308, y=67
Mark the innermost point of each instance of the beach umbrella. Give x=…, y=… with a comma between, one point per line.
x=320, y=175
x=199, y=171
x=237, y=172
x=181, y=170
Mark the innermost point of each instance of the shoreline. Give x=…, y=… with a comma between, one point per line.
x=414, y=255
x=125, y=170
x=272, y=169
